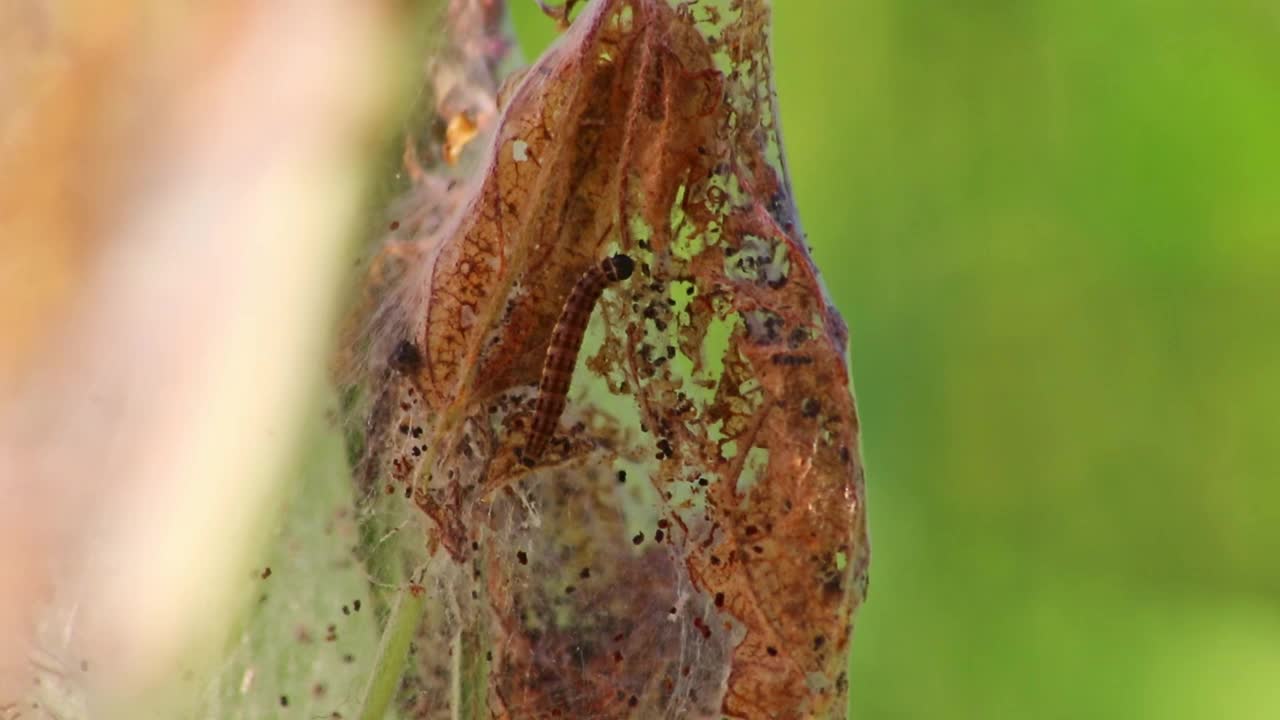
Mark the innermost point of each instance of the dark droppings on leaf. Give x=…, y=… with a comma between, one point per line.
x=809, y=408
x=791, y=359
x=405, y=358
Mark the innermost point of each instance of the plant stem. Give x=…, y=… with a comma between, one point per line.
x=470, y=675
x=393, y=653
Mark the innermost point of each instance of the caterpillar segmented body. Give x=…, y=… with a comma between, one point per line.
x=562, y=353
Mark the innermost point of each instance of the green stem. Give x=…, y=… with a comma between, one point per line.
x=470, y=675
x=393, y=654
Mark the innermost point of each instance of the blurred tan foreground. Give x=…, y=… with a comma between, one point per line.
x=178, y=182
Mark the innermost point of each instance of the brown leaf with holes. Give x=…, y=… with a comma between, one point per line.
x=693, y=542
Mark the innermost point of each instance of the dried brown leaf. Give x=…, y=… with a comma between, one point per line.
x=649, y=129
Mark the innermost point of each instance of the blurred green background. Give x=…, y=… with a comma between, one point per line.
x=1054, y=229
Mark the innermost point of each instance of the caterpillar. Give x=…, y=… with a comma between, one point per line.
x=562, y=353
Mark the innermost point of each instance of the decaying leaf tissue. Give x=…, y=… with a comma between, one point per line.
x=691, y=542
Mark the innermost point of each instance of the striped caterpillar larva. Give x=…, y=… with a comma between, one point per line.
x=562, y=353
